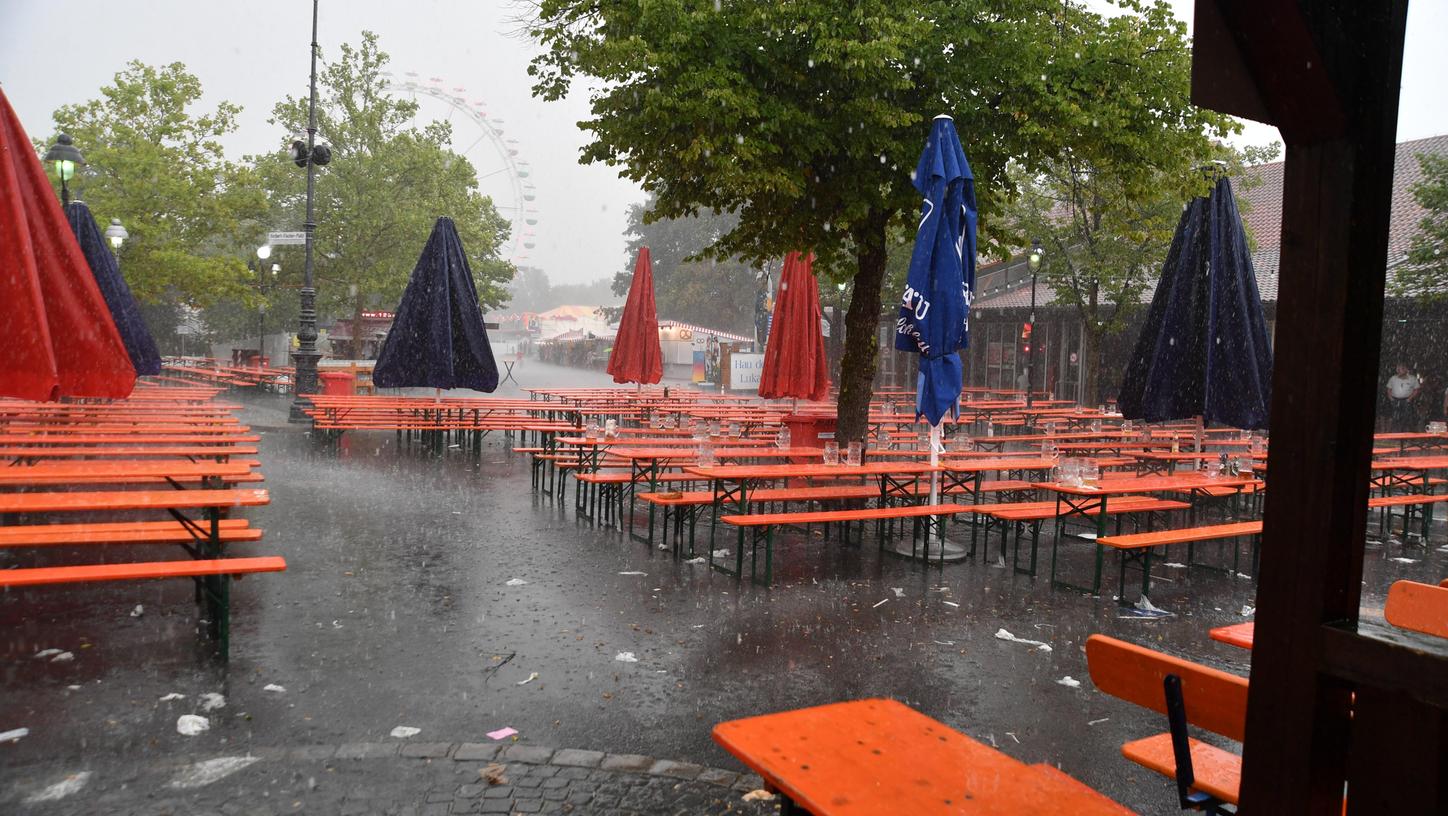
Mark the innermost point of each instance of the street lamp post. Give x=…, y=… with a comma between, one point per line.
x=263, y=252
x=67, y=159
x=306, y=356
x=1034, y=261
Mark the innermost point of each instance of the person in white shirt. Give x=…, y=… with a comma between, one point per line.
x=1402, y=389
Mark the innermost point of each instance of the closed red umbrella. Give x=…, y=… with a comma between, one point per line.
x=794, y=358
x=636, y=356
x=57, y=337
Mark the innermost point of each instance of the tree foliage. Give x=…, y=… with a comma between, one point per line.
x=690, y=284
x=805, y=119
x=388, y=181
x=1425, y=273
x=157, y=165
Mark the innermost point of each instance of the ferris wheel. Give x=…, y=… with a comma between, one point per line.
x=478, y=136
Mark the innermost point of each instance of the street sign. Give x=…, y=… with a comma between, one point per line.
x=286, y=238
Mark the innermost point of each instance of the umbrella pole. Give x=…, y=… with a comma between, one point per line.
x=1200, y=434
x=935, y=488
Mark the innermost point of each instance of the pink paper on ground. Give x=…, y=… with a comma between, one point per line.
x=502, y=733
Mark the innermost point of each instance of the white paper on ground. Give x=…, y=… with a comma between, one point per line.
x=138, y=611
x=63, y=657
x=405, y=731
x=65, y=787
x=14, y=734
x=210, y=701
x=626, y=657
x=698, y=560
x=173, y=696
x=44, y=653
x=1145, y=605
x=1248, y=611
x=515, y=582
x=531, y=678
x=189, y=725
x=633, y=572
x=207, y=771
x=899, y=593
x=1069, y=682
x=274, y=687
x=1002, y=634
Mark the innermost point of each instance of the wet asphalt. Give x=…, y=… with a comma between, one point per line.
x=396, y=610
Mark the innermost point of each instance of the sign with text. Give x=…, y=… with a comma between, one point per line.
x=745, y=371
x=286, y=238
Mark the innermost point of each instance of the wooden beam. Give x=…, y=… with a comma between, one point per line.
x=1327, y=73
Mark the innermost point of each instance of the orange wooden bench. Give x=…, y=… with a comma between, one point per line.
x=761, y=525
x=35, y=454
x=1237, y=634
x=119, y=532
x=121, y=500
x=40, y=576
x=67, y=472
x=1188, y=693
x=881, y=756
x=1418, y=607
x=1138, y=546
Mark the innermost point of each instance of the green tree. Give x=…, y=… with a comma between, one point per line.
x=689, y=284
x=157, y=165
x=1425, y=274
x=376, y=202
x=805, y=119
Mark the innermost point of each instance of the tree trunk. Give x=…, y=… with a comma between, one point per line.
x=359, y=342
x=862, y=322
x=1090, y=368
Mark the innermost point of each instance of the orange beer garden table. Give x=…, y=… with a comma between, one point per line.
x=869, y=757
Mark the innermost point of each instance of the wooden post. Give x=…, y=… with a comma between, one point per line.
x=1327, y=74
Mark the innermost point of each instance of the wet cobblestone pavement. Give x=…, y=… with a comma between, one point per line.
x=396, y=610
x=402, y=779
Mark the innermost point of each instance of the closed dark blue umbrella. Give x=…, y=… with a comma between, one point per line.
x=1204, y=350
x=935, y=309
x=140, y=346
x=438, y=339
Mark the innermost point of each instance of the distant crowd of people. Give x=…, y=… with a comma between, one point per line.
x=1409, y=409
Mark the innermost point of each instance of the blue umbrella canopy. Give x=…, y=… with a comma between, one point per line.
x=140, y=346
x=438, y=339
x=1204, y=349
x=935, y=309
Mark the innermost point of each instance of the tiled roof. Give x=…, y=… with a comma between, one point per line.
x=1263, y=217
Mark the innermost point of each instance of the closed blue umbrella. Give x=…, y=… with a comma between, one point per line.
x=438, y=339
x=935, y=309
x=1204, y=349
x=140, y=346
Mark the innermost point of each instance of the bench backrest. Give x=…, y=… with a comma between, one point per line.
x=1418, y=607
x=1215, y=700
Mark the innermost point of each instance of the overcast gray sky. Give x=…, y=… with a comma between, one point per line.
x=62, y=51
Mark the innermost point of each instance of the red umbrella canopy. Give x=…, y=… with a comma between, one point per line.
x=794, y=358
x=57, y=337
x=636, y=356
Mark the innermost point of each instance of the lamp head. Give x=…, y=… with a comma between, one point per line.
x=263, y=251
x=1034, y=259
x=65, y=157
x=116, y=234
